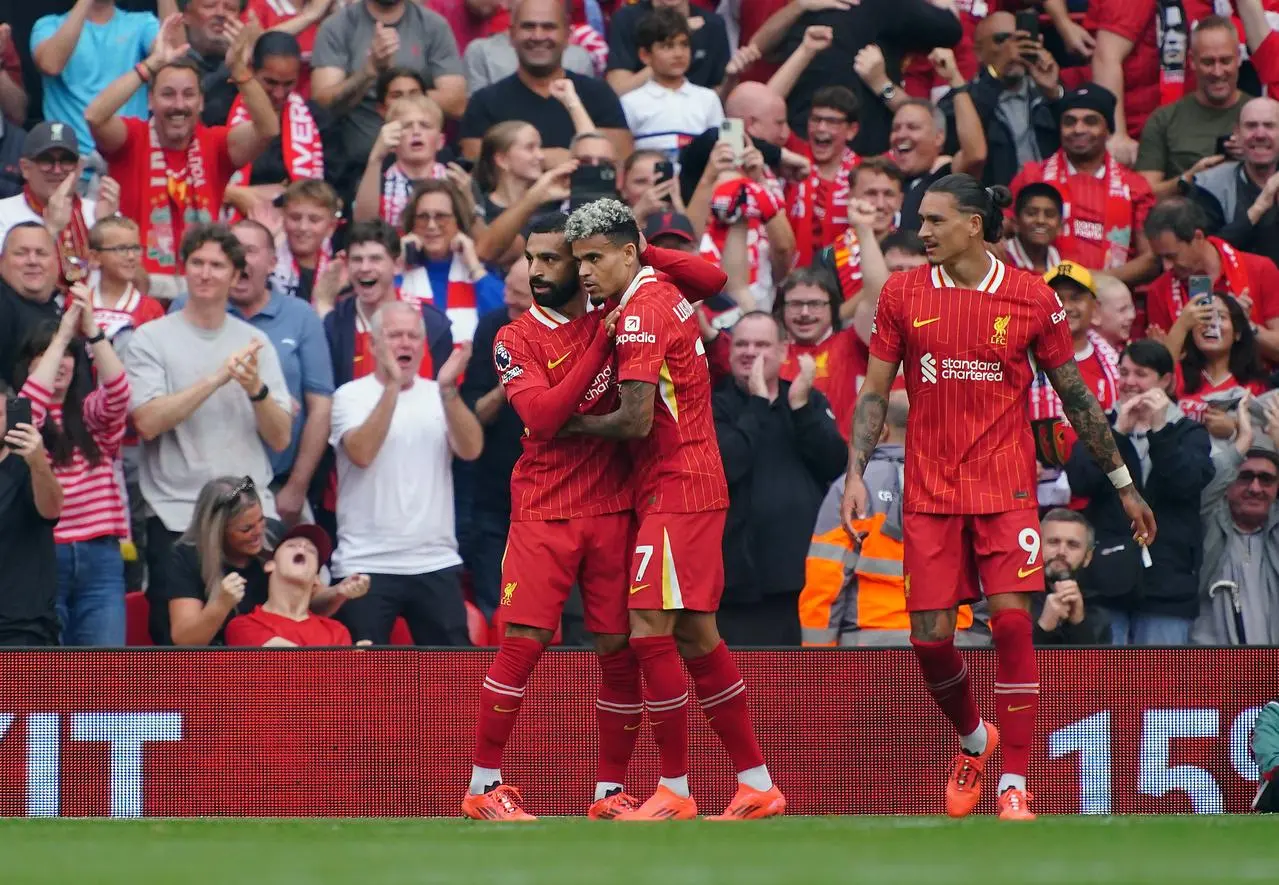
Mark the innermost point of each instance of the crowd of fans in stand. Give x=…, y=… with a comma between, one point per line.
x=255, y=254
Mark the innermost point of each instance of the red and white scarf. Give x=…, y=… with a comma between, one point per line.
x=397, y=187
x=286, y=277
x=188, y=189
x=819, y=222
x=1117, y=217
x=762, y=202
x=458, y=302
x=848, y=264
x=1232, y=268
x=1044, y=402
x=299, y=142
x=73, y=241
x=1018, y=258
x=111, y=320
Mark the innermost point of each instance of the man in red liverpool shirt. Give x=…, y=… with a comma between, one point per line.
x=966, y=328
x=285, y=619
x=664, y=393
x=1104, y=204
x=172, y=170
x=571, y=502
x=1176, y=230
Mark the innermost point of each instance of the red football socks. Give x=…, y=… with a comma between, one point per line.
x=722, y=694
x=501, y=696
x=619, y=710
x=946, y=676
x=1016, y=686
x=666, y=700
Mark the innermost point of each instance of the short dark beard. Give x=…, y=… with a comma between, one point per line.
x=559, y=294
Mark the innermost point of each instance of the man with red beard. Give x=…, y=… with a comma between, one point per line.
x=818, y=205
x=197, y=161
x=1105, y=204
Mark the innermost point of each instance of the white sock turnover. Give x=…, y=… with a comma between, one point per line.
x=482, y=777
x=677, y=785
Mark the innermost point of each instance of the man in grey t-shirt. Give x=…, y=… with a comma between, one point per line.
x=365, y=39
x=208, y=392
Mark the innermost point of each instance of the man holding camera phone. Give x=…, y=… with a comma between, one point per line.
x=30, y=505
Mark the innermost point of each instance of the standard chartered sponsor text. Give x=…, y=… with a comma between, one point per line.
x=972, y=370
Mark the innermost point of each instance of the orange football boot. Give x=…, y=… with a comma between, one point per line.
x=1014, y=805
x=963, y=787
x=752, y=804
x=663, y=805
x=502, y=803
x=612, y=805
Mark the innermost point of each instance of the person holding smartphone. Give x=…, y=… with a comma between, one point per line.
x=30, y=506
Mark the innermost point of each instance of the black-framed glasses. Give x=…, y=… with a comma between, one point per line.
x=135, y=249
x=1001, y=37
x=227, y=498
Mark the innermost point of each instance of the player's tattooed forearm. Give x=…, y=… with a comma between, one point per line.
x=1085, y=415
x=632, y=420
x=868, y=424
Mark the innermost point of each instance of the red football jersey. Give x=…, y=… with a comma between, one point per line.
x=255, y=628
x=564, y=477
x=678, y=467
x=966, y=355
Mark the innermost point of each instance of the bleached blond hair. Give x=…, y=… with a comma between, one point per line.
x=601, y=217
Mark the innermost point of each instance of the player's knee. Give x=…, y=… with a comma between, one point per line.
x=519, y=631
x=651, y=623
x=696, y=634
x=932, y=626
x=609, y=643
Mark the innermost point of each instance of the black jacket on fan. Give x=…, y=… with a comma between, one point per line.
x=779, y=463
x=1180, y=468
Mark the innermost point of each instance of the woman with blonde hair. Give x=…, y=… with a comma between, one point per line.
x=216, y=570
x=510, y=162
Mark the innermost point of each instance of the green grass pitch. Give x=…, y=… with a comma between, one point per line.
x=803, y=851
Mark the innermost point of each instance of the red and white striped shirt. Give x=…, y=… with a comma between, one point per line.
x=93, y=506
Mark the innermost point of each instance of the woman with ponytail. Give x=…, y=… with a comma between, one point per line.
x=963, y=331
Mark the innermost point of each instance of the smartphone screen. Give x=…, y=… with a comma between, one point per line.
x=665, y=171
x=1220, y=147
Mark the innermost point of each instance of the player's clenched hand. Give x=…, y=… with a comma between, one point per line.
x=1143, y=521
x=854, y=504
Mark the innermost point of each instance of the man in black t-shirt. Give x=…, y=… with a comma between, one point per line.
x=30, y=505
x=709, y=44
x=539, y=33
x=29, y=268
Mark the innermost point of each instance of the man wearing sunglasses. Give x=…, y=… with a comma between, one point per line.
x=1239, y=577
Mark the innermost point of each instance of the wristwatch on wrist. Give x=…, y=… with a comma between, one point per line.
x=260, y=395
x=888, y=93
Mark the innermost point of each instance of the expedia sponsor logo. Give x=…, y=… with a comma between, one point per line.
x=637, y=338
x=1059, y=317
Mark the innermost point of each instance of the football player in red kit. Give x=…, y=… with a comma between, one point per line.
x=571, y=519
x=964, y=328
x=681, y=498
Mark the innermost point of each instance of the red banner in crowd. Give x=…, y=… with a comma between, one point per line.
x=372, y=733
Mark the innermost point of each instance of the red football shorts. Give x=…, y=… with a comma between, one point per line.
x=545, y=558
x=678, y=562
x=945, y=555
